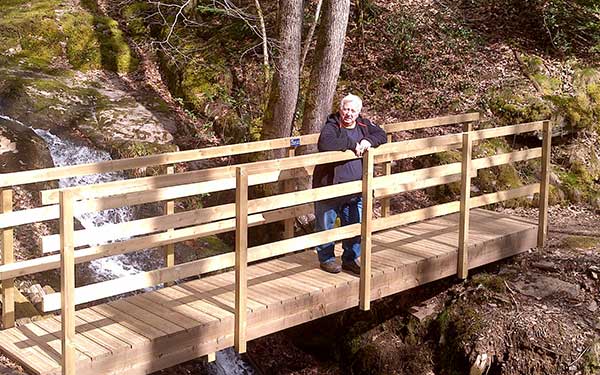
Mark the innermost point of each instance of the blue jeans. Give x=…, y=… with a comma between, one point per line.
x=349, y=210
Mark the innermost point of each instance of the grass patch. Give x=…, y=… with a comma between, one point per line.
x=580, y=242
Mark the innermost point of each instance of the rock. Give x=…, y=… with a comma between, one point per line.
x=428, y=309
x=545, y=266
x=544, y=286
x=593, y=306
x=480, y=365
x=21, y=149
x=80, y=108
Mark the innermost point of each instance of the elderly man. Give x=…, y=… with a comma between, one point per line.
x=345, y=130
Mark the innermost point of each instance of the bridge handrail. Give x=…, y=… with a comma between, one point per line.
x=55, y=173
x=223, y=212
x=429, y=178
x=245, y=213
x=39, y=264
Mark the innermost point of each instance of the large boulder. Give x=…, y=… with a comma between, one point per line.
x=93, y=109
x=21, y=149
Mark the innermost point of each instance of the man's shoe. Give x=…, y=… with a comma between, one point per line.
x=331, y=267
x=352, y=267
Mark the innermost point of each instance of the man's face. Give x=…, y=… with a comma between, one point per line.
x=349, y=113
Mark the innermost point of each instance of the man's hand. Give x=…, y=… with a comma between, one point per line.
x=362, y=146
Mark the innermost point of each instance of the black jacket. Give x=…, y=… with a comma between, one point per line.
x=333, y=138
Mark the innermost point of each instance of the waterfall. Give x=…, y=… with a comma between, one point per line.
x=65, y=152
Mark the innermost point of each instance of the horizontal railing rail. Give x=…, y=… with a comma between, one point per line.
x=222, y=215
x=172, y=227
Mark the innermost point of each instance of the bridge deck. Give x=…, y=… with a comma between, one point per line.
x=158, y=329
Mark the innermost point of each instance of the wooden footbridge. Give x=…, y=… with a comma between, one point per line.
x=211, y=303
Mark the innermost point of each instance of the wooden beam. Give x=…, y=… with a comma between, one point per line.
x=49, y=174
x=509, y=157
x=387, y=170
x=491, y=198
x=170, y=248
x=67, y=283
x=465, y=195
x=8, y=285
x=45, y=263
x=365, y=232
x=416, y=185
x=428, y=123
x=544, y=184
x=241, y=259
x=288, y=186
x=507, y=130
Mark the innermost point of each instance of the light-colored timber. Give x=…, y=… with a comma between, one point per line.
x=8, y=285
x=204, y=305
x=145, y=333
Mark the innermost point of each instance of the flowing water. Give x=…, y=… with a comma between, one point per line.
x=64, y=153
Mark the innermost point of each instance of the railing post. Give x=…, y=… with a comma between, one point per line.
x=365, y=230
x=8, y=285
x=288, y=230
x=465, y=197
x=385, y=202
x=544, y=184
x=170, y=248
x=241, y=258
x=67, y=282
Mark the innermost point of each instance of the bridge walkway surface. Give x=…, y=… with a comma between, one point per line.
x=154, y=330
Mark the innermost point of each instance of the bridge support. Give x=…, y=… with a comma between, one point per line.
x=366, y=231
x=170, y=248
x=67, y=282
x=465, y=198
x=241, y=258
x=8, y=285
x=544, y=184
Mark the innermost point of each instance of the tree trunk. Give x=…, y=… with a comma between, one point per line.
x=326, y=67
x=279, y=115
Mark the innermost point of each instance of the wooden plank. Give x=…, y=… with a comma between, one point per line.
x=55, y=173
x=112, y=328
x=465, y=195
x=544, y=184
x=67, y=283
x=172, y=300
x=51, y=242
x=288, y=186
x=47, y=174
x=207, y=299
x=155, y=308
x=415, y=185
x=189, y=296
x=99, y=336
x=21, y=349
x=431, y=122
x=8, y=285
x=387, y=170
x=241, y=259
x=510, y=157
x=415, y=215
x=366, y=231
x=492, y=198
x=128, y=321
x=151, y=318
x=169, y=249
x=29, y=216
x=84, y=345
x=507, y=130
x=277, y=277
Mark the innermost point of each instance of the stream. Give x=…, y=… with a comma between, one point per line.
x=65, y=152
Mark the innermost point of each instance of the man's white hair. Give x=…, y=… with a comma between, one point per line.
x=351, y=98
